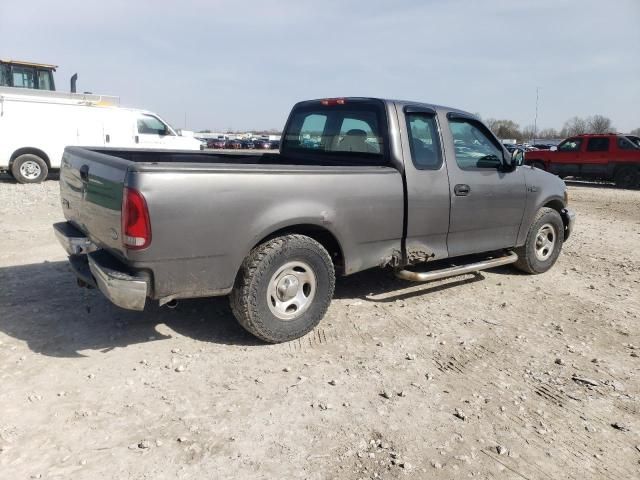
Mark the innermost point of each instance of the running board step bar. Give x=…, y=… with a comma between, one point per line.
x=511, y=257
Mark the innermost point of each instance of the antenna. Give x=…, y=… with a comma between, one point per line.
x=535, y=120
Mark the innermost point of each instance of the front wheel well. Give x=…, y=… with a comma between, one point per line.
x=31, y=150
x=321, y=235
x=557, y=205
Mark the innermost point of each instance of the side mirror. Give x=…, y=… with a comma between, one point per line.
x=517, y=158
x=553, y=149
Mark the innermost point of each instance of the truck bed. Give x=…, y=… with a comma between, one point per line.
x=238, y=200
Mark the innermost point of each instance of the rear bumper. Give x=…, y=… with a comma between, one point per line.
x=99, y=269
x=72, y=240
x=124, y=290
x=569, y=219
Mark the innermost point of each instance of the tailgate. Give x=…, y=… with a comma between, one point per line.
x=91, y=187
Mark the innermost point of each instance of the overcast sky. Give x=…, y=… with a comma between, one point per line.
x=243, y=64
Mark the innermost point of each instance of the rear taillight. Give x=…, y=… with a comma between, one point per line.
x=136, y=227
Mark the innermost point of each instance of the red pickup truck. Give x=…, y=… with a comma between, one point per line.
x=603, y=157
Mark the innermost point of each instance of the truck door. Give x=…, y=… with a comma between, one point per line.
x=427, y=185
x=596, y=157
x=487, y=202
x=567, y=158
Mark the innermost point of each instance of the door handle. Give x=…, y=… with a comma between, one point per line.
x=461, y=190
x=137, y=139
x=84, y=173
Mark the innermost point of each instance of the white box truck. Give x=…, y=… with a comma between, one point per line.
x=36, y=126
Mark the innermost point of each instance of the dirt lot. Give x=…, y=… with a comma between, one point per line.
x=498, y=375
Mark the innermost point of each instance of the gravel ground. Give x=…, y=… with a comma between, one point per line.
x=494, y=375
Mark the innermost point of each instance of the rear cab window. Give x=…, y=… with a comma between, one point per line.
x=338, y=132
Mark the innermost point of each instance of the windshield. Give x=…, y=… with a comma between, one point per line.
x=343, y=131
x=634, y=139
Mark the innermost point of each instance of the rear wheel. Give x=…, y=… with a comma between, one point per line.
x=626, y=177
x=284, y=288
x=543, y=243
x=29, y=168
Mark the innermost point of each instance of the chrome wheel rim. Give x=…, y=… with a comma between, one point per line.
x=545, y=241
x=291, y=290
x=30, y=170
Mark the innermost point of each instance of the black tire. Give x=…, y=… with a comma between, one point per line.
x=626, y=177
x=532, y=256
x=29, y=168
x=260, y=280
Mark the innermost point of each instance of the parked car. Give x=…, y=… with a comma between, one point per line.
x=263, y=144
x=592, y=156
x=437, y=185
x=248, y=144
x=233, y=144
x=274, y=144
x=217, y=143
x=36, y=125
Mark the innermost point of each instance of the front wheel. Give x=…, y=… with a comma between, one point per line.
x=543, y=244
x=29, y=168
x=284, y=288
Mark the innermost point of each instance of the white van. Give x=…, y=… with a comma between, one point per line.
x=35, y=126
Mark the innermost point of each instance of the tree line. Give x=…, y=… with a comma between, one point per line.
x=573, y=126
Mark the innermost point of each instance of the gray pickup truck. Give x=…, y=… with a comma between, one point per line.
x=358, y=183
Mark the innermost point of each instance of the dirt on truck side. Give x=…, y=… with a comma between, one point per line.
x=492, y=375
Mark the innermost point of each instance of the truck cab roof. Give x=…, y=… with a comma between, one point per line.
x=386, y=101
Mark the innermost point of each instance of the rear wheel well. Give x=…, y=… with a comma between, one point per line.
x=321, y=235
x=31, y=150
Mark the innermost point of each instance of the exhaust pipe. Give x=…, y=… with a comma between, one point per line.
x=74, y=79
x=511, y=257
x=172, y=304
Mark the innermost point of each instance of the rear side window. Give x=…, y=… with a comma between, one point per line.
x=474, y=146
x=598, y=144
x=424, y=141
x=339, y=133
x=570, y=145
